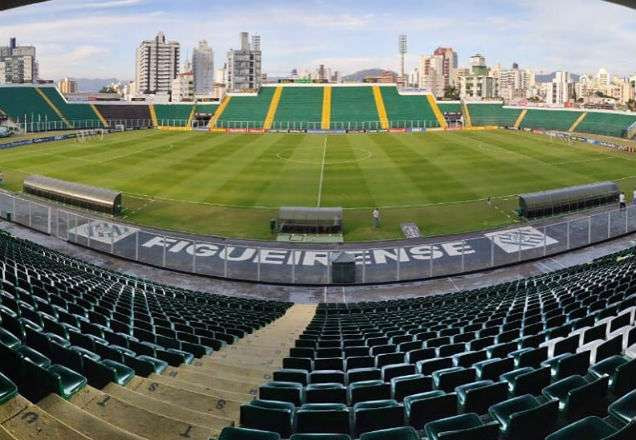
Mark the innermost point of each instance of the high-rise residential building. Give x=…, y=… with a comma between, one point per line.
x=603, y=77
x=514, y=83
x=438, y=71
x=183, y=86
x=67, y=86
x=157, y=65
x=244, y=65
x=18, y=64
x=560, y=90
x=478, y=84
x=203, y=68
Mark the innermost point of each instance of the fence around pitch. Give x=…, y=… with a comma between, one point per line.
x=270, y=263
x=36, y=125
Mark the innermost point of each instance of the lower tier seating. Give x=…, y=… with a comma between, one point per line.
x=545, y=357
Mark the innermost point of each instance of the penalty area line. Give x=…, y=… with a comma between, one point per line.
x=322, y=171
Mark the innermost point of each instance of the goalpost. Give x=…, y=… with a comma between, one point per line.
x=83, y=136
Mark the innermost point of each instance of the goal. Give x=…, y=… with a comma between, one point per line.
x=83, y=136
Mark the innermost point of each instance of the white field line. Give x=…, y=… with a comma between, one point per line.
x=322, y=171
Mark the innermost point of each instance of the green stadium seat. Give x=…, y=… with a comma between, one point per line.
x=368, y=390
x=477, y=397
x=593, y=428
x=8, y=390
x=401, y=433
x=450, y=378
x=462, y=427
x=578, y=396
x=325, y=393
x=376, y=415
x=320, y=437
x=407, y=385
x=525, y=417
x=8, y=339
x=291, y=375
x=492, y=369
x=268, y=415
x=425, y=407
x=323, y=418
x=232, y=433
x=363, y=374
x=624, y=408
x=282, y=391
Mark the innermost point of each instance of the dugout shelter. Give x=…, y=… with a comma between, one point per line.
x=573, y=198
x=85, y=196
x=305, y=220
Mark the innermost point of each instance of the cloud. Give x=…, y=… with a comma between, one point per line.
x=575, y=35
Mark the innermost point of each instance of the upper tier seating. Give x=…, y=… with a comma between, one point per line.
x=353, y=108
x=299, y=108
x=493, y=114
x=521, y=360
x=609, y=124
x=173, y=115
x=247, y=111
x=207, y=108
x=550, y=119
x=128, y=115
x=450, y=107
x=21, y=103
x=78, y=115
x=407, y=110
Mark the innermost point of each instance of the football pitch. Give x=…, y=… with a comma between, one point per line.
x=231, y=185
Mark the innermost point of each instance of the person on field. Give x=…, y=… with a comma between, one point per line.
x=621, y=200
x=376, y=218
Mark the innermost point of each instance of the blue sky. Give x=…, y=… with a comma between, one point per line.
x=97, y=38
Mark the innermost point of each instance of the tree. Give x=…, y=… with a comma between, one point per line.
x=631, y=105
x=108, y=89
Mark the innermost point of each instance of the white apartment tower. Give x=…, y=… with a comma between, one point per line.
x=203, y=68
x=17, y=64
x=244, y=65
x=560, y=90
x=157, y=65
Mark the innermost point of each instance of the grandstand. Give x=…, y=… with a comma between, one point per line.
x=246, y=111
x=550, y=119
x=291, y=107
x=78, y=115
x=25, y=106
x=353, y=108
x=174, y=115
x=483, y=114
x=408, y=110
x=607, y=123
x=299, y=108
x=93, y=354
x=130, y=116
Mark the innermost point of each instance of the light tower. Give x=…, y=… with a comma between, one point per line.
x=403, y=47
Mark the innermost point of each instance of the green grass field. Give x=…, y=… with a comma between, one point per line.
x=231, y=185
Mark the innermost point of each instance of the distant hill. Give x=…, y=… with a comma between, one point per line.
x=362, y=74
x=93, y=84
x=548, y=77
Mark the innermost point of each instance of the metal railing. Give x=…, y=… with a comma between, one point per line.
x=272, y=263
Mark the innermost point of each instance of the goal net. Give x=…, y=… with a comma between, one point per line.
x=83, y=136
